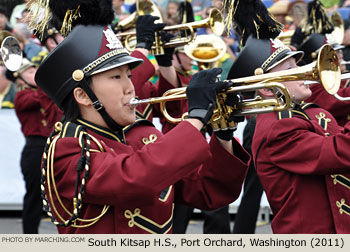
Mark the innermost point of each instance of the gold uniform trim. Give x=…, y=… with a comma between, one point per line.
x=51, y=184
x=343, y=208
x=151, y=139
x=341, y=179
x=146, y=112
x=273, y=56
x=136, y=218
x=165, y=198
x=322, y=120
x=301, y=113
x=103, y=58
x=99, y=129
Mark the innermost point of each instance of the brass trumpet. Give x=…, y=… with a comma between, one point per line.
x=325, y=70
x=214, y=22
x=143, y=7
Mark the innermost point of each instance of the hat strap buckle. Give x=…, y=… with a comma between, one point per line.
x=97, y=105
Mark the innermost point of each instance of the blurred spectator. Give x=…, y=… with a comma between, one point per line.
x=22, y=16
x=172, y=17
x=297, y=11
x=280, y=11
x=30, y=48
x=344, y=3
x=199, y=6
x=120, y=12
x=219, y=4
x=346, y=43
x=4, y=19
x=17, y=10
x=162, y=4
x=7, y=90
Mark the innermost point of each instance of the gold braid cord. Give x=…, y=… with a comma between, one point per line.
x=232, y=8
x=70, y=16
x=49, y=180
x=41, y=14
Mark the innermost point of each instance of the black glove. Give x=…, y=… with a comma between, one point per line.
x=231, y=100
x=166, y=58
x=201, y=94
x=145, y=30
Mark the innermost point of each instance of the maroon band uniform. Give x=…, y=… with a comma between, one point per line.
x=302, y=159
x=141, y=189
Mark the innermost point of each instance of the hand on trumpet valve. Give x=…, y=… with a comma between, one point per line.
x=145, y=31
x=166, y=58
x=201, y=93
x=231, y=100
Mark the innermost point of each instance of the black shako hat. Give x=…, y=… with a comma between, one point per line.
x=313, y=43
x=258, y=30
x=259, y=56
x=87, y=50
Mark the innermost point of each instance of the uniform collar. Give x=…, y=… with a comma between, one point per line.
x=102, y=131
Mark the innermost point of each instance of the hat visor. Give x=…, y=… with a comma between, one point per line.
x=298, y=55
x=337, y=47
x=115, y=62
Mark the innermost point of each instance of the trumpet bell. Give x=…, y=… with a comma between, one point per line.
x=206, y=48
x=147, y=7
x=329, y=69
x=11, y=53
x=216, y=22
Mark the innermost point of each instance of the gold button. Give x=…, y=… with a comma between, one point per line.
x=258, y=71
x=78, y=75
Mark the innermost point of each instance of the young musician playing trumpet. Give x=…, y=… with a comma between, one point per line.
x=129, y=174
x=298, y=153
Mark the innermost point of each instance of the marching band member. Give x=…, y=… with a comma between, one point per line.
x=339, y=109
x=37, y=114
x=252, y=19
x=49, y=39
x=135, y=172
x=298, y=153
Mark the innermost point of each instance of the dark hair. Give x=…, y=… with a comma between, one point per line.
x=70, y=107
x=3, y=10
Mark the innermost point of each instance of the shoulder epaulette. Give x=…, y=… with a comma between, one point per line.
x=70, y=129
x=299, y=111
x=284, y=114
x=137, y=122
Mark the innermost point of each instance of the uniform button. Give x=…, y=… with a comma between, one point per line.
x=112, y=149
x=102, y=141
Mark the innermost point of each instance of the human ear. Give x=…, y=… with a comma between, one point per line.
x=266, y=92
x=81, y=97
